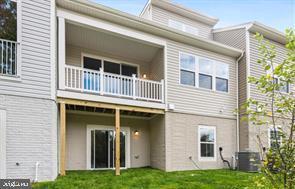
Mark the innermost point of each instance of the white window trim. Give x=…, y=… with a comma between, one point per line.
x=183, y=26
x=2, y=144
x=197, y=72
x=103, y=127
x=271, y=129
x=102, y=58
x=199, y=143
x=275, y=77
x=17, y=77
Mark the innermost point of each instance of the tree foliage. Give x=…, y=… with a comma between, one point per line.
x=8, y=21
x=279, y=164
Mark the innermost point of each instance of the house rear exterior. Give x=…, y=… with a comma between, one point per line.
x=84, y=83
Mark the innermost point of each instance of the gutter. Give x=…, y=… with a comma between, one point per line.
x=237, y=97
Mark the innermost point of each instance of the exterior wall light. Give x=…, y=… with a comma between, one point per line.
x=136, y=132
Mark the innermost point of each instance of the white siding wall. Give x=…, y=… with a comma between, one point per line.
x=35, y=53
x=31, y=113
x=31, y=136
x=162, y=16
x=188, y=99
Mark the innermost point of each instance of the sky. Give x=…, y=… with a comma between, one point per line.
x=278, y=14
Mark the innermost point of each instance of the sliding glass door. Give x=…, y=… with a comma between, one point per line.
x=103, y=149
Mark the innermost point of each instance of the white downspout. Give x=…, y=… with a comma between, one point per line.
x=36, y=171
x=237, y=96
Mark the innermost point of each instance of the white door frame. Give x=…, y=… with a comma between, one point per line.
x=2, y=144
x=111, y=128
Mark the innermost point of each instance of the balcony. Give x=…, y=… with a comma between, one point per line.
x=8, y=58
x=103, y=83
x=102, y=66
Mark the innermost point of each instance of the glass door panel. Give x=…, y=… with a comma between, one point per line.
x=103, y=149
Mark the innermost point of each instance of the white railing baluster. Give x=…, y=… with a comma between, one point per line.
x=77, y=78
x=101, y=81
x=133, y=85
x=8, y=60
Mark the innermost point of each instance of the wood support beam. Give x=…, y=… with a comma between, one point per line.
x=110, y=106
x=117, y=117
x=62, y=139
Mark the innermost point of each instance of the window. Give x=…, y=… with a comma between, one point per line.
x=273, y=133
x=91, y=63
x=8, y=20
x=187, y=69
x=222, y=74
x=284, y=86
x=183, y=27
x=108, y=66
x=8, y=38
x=205, y=73
x=207, y=143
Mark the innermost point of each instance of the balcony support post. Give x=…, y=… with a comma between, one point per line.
x=117, y=112
x=61, y=52
x=62, y=134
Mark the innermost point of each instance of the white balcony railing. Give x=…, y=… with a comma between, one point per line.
x=103, y=83
x=8, y=57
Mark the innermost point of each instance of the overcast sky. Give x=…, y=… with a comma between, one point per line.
x=279, y=14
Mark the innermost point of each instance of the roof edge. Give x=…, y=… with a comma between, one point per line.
x=254, y=26
x=156, y=29
x=184, y=11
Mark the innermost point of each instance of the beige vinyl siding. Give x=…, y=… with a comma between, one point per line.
x=189, y=99
x=157, y=139
x=256, y=69
x=157, y=67
x=35, y=62
x=76, y=139
x=236, y=38
x=162, y=16
x=182, y=141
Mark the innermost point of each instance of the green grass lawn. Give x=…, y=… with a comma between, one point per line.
x=142, y=178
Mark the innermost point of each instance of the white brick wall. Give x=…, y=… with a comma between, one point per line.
x=31, y=136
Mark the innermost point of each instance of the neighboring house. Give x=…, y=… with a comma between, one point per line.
x=243, y=37
x=166, y=82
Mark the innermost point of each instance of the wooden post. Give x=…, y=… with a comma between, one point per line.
x=117, y=141
x=62, y=138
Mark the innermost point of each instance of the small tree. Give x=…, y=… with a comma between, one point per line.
x=279, y=164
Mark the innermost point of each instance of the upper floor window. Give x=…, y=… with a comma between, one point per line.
x=183, y=27
x=222, y=76
x=8, y=37
x=8, y=20
x=203, y=73
x=187, y=69
x=284, y=86
x=109, y=66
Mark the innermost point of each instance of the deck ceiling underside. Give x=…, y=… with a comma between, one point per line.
x=107, y=111
x=107, y=42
